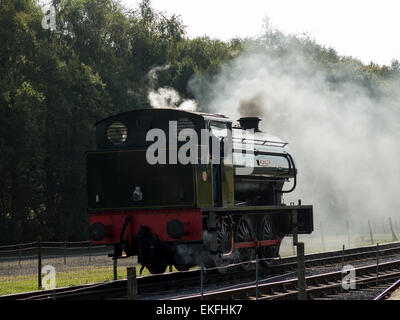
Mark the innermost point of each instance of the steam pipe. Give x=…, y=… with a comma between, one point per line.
x=232, y=239
x=232, y=245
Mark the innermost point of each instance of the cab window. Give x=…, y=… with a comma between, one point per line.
x=219, y=129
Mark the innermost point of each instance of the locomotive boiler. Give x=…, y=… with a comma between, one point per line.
x=182, y=188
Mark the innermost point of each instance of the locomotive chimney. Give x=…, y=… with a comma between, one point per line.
x=249, y=123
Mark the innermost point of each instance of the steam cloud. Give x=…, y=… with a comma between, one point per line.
x=344, y=138
x=166, y=97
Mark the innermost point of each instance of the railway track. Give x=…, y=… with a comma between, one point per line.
x=321, y=286
x=148, y=285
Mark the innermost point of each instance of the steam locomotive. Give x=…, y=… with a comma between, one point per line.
x=220, y=207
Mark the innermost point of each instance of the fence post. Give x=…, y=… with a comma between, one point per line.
x=301, y=272
x=90, y=252
x=322, y=237
x=115, y=269
x=65, y=251
x=394, y=237
x=132, y=283
x=39, y=264
x=19, y=253
x=377, y=263
x=370, y=232
x=342, y=257
x=295, y=229
x=342, y=265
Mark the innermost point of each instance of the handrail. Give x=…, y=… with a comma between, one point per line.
x=285, y=155
x=294, y=177
x=262, y=142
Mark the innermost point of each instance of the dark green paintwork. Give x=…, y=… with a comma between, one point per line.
x=114, y=175
x=228, y=183
x=113, y=172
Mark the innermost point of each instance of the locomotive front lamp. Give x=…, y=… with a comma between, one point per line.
x=175, y=229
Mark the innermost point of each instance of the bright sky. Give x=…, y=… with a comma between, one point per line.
x=366, y=29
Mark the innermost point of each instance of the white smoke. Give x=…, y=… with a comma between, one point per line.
x=166, y=97
x=344, y=139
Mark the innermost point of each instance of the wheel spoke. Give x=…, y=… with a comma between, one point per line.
x=242, y=232
x=223, y=236
x=267, y=229
x=267, y=232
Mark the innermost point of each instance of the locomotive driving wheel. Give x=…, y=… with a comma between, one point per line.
x=223, y=238
x=181, y=267
x=156, y=267
x=244, y=233
x=267, y=231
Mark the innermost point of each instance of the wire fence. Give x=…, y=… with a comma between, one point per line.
x=328, y=236
x=75, y=263
x=23, y=266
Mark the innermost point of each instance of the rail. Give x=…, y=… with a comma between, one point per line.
x=171, y=282
x=388, y=291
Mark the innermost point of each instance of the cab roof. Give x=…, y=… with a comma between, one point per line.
x=205, y=115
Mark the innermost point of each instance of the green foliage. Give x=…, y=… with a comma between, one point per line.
x=56, y=84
